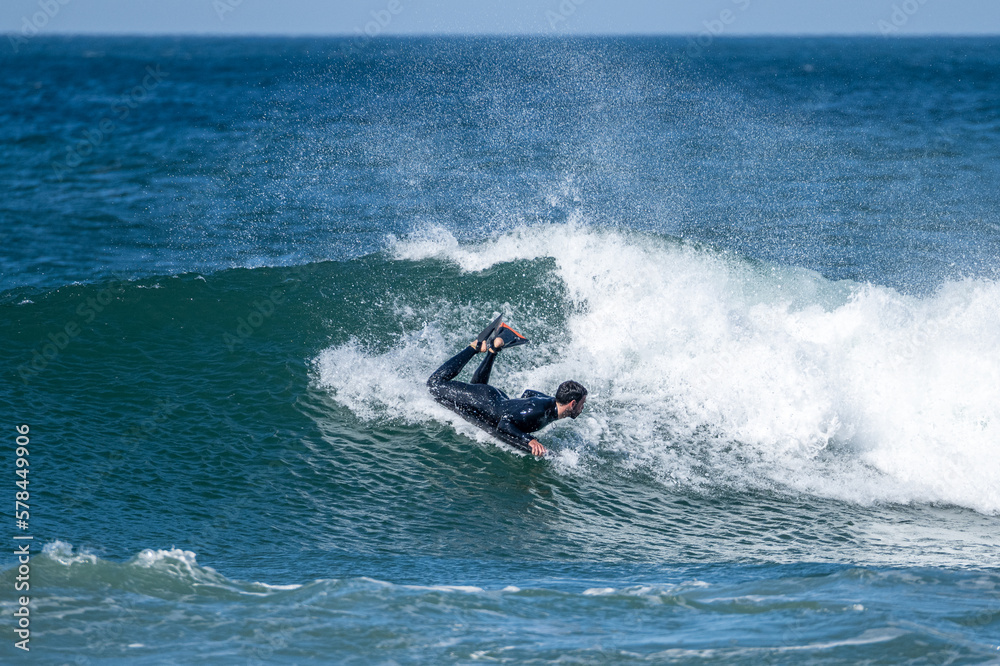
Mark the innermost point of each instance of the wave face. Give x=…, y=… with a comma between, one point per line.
x=709, y=371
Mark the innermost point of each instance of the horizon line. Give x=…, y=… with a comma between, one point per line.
x=548, y=35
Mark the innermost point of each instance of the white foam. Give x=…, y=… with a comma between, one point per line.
x=184, y=564
x=710, y=369
x=62, y=552
x=280, y=588
x=151, y=558
x=468, y=589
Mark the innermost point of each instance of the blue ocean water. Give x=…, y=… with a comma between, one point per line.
x=228, y=266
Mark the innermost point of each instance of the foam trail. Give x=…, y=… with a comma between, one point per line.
x=711, y=369
x=158, y=569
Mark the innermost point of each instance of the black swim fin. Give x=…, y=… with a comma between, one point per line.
x=510, y=337
x=490, y=331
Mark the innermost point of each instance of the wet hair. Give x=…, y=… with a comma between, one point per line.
x=569, y=391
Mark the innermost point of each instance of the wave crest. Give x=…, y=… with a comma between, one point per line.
x=707, y=368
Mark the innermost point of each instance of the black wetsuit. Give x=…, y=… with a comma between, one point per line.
x=510, y=419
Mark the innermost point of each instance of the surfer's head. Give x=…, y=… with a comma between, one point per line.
x=570, y=397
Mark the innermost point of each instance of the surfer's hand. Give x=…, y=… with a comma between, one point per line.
x=536, y=448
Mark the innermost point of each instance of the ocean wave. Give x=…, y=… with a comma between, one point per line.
x=165, y=573
x=706, y=368
x=96, y=609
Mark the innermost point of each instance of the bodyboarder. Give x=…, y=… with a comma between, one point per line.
x=511, y=420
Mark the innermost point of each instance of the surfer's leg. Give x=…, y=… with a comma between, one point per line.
x=482, y=373
x=450, y=369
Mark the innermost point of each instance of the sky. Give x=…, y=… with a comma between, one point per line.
x=538, y=17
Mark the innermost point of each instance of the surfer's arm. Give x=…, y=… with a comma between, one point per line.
x=519, y=438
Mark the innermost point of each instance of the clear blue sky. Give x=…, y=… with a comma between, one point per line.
x=566, y=17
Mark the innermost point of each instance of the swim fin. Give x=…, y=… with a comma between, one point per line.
x=510, y=337
x=490, y=331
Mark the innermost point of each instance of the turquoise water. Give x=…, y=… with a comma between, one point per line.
x=774, y=265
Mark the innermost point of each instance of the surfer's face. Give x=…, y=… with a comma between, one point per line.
x=575, y=410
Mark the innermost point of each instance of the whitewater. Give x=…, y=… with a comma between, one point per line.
x=711, y=369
